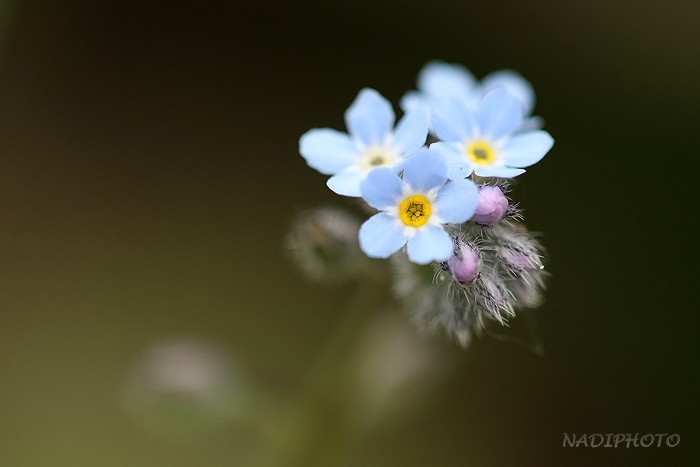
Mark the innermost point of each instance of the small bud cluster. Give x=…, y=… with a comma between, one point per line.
x=496, y=268
x=323, y=243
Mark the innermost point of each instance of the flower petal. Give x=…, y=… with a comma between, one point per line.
x=370, y=117
x=414, y=100
x=381, y=236
x=515, y=84
x=498, y=113
x=411, y=131
x=501, y=172
x=531, y=123
x=347, y=182
x=458, y=166
x=431, y=243
x=451, y=120
x=456, y=202
x=326, y=150
x=440, y=80
x=425, y=170
x=381, y=188
x=528, y=148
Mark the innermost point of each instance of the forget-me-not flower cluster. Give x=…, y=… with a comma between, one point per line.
x=438, y=179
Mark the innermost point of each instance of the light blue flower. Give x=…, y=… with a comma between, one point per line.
x=372, y=142
x=439, y=81
x=414, y=209
x=487, y=140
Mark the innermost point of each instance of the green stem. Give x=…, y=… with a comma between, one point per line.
x=319, y=430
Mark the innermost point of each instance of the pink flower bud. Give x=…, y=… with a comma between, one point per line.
x=521, y=261
x=464, y=264
x=492, y=205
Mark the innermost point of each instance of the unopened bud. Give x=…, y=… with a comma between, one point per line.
x=521, y=261
x=492, y=296
x=492, y=206
x=464, y=264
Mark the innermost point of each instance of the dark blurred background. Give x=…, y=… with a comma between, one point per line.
x=149, y=173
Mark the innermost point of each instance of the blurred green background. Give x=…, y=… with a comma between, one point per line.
x=149, y=173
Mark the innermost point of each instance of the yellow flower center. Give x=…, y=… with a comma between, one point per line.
x=414, y=211
x=481, y=152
